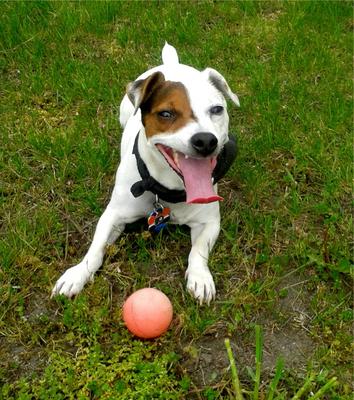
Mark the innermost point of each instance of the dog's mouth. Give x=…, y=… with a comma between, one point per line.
x=195, y=172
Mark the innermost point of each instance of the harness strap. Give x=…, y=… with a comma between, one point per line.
x=150, y=184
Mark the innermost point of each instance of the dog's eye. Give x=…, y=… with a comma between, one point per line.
x=165, y=114
x=216, y=110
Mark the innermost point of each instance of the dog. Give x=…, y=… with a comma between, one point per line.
x=175, y=147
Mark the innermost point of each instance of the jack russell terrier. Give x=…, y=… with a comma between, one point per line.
x=175, y=147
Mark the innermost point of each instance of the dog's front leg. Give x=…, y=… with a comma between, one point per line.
x=109, y=227
x=199, y=279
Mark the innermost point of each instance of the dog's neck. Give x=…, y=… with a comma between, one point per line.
x=147, y=183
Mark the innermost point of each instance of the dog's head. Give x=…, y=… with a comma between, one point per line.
x=185, y=118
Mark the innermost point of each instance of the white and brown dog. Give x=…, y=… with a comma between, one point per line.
x=175, y=146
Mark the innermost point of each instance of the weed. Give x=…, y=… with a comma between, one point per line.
x=272, y=390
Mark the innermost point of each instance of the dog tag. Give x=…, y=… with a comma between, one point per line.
x=158, y=217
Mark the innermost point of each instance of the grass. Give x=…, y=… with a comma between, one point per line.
x=284, y=258
x=238, y=391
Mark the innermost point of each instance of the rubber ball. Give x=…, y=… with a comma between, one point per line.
x=147, y=313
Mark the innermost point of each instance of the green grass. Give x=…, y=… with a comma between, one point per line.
x=284, y=258
x=238, y=391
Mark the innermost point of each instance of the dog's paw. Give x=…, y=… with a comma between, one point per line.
x=72, y=281
x=201, y=285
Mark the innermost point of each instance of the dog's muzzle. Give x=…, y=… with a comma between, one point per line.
x=147, y=183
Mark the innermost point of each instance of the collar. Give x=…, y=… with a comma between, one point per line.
x=150, y=184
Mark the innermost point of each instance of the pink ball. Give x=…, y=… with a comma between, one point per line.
x=147, y=313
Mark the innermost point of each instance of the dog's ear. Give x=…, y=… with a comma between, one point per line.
x=216, y=79
x=140, y=91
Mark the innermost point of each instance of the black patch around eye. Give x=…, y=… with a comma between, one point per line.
x=216, y=110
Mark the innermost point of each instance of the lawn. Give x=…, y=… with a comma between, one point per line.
x=283, y=261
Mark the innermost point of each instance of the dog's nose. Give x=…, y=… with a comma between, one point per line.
x=204, y=143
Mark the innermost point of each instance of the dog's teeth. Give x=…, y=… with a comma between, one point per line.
x=175, y=158
x=186, y=156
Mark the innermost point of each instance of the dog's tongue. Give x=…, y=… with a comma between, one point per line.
x=197, y=176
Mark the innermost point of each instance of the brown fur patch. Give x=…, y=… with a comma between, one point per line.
x=168, y=96
x=140, y=90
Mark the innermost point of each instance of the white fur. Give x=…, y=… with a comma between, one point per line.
x=123, y=208
x=169, y=55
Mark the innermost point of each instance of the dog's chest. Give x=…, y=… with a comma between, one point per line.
x=191, y=214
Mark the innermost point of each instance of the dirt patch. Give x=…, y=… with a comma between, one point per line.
x=207, y=363
x=286, y=335
x=294, y=346
x=19, y=361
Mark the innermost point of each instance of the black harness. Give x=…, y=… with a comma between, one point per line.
x=150, y=184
